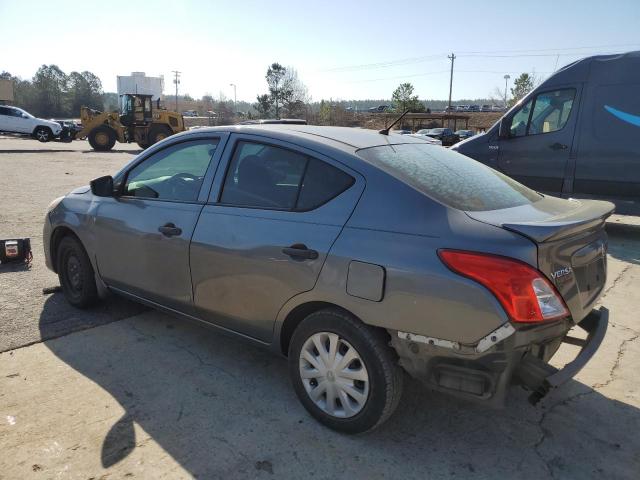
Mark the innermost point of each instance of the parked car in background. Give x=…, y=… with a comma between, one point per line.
x=17, y=120
x=70, y=128
x=379, y=109
x=190, y=113
x=445, y=135
x=485, y=108
x=401, y=131
x=575, y=135
x=463, y=134
x=497, y=108
x=474, y=108
x=426, y=138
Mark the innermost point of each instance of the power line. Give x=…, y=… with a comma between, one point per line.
x=482, y=54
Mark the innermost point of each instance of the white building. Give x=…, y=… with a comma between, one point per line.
x=139, y=83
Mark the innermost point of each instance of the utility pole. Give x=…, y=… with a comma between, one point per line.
x=451, y=57
x=176, y=80
x=235, y=99
x=506, y=79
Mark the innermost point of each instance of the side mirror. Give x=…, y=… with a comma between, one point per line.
x=102, y=187
x=505, y=128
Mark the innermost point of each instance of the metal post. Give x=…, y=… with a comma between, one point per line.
x=506, y=79
x=235, y=99
x=176, y=80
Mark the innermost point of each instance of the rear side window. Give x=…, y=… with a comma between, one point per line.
x=449, y=177
x=322, y=182
x=270, y=177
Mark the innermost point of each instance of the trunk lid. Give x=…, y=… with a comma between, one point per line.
x=571, y=241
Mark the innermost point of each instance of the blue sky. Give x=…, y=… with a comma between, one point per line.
x=332, y=44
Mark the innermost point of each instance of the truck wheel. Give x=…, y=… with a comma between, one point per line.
x=344, y=372
x=102, y=138
x=76, y=273
x=43, y=134
x=158, y=133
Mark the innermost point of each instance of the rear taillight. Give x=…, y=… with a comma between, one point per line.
x=524, y=292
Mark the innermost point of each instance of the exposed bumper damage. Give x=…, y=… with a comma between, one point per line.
x=485, y=370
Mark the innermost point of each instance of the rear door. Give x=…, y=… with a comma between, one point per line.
x=8, y=120
x=273, y=216
x=537, y=150
x=143, y=235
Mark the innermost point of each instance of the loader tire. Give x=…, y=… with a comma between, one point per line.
x=102, y=138
x=158, y=133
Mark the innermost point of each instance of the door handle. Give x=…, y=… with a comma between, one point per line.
x=300, y=250
x=558, y=146
x=169, y=230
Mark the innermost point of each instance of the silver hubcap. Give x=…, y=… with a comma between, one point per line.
x=42, y=135
x=334, y=375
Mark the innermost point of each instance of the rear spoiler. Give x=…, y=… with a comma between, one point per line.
x=591, y=214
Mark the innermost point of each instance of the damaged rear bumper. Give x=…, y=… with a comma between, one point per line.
x=484, y=372
x=541, y=377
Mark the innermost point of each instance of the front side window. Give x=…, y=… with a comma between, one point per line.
x=175, y=173
x=547, y=112
x=265, y=176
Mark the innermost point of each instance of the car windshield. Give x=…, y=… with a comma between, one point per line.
x=437, y=130
x=450, y=178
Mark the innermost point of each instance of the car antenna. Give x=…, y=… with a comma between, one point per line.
x=385, y=131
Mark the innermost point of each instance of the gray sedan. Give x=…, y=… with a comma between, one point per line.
x=357, y=255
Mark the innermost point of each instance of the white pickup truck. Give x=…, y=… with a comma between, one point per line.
x=16, y=120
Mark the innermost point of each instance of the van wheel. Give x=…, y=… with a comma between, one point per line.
x=43, y=134
x=102, y=138
x=75, y=273
x=344, y=372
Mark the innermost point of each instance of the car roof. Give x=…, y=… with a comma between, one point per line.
x=345, y=138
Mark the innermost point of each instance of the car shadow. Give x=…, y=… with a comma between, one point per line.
x=222, y=408
x=132, y=152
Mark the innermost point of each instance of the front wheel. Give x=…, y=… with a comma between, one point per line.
x=76, y=273
x=344, y=372
x=43, y=134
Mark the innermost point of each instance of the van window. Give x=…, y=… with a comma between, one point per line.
x=551, y=111
x=520, y=120
x=546, y=112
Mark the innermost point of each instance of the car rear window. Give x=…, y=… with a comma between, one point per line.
x=449, y=177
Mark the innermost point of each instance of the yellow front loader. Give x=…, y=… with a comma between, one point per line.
x=137, y=122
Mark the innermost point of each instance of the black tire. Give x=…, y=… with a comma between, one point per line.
x=158, y=133
x=43, y=134
x=102, y=138
x=76, y=273
x=385, y=377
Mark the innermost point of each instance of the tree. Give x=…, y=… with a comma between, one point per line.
x=84, y=89
x=263, y=106
x=404, y=99
x=294, y=94
x=275, y=75
x=50, y=84
x=521, y=86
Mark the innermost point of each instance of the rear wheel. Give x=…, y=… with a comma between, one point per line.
x=158, y=133
x=43, y=134
x=76, y=273
x=344, y=372
x=102, y=138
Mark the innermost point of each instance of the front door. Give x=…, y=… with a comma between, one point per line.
x=265, y=235
x=537, y=149
x=143, y=234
